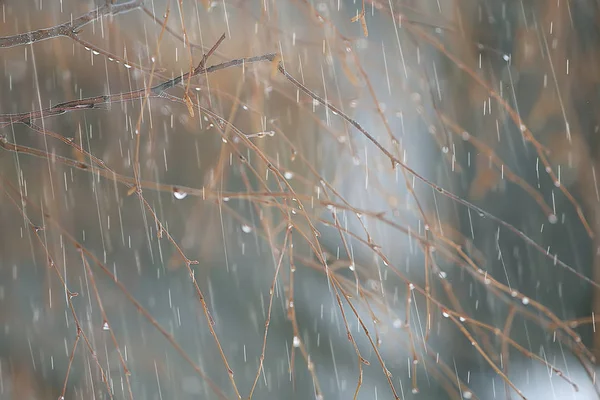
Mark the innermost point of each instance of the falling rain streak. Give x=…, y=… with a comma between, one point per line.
x=299, y=199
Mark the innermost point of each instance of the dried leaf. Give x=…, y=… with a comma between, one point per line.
x=189, y=104
x=275, y=65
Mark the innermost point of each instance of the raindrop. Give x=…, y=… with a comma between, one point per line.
x=445, y=149
x=322, y=7
x=263, y=134
x=296, y=341
x=288, y=175
x=179, y=195
x=352, y=267
x=552, y=218
x=246, y=228
x=443, y=275
x=105, y=326
x=467, y=395
x=411, y=286
x=127, y=66
x=445, y=314
x=525, y=300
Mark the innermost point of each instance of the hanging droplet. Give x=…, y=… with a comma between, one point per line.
x=179, y=195
x=246, y=228
x=105, y=326
x=296, y=341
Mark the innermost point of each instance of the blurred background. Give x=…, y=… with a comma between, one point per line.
x=299, y=199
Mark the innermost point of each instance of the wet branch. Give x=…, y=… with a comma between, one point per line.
x=71, y=28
